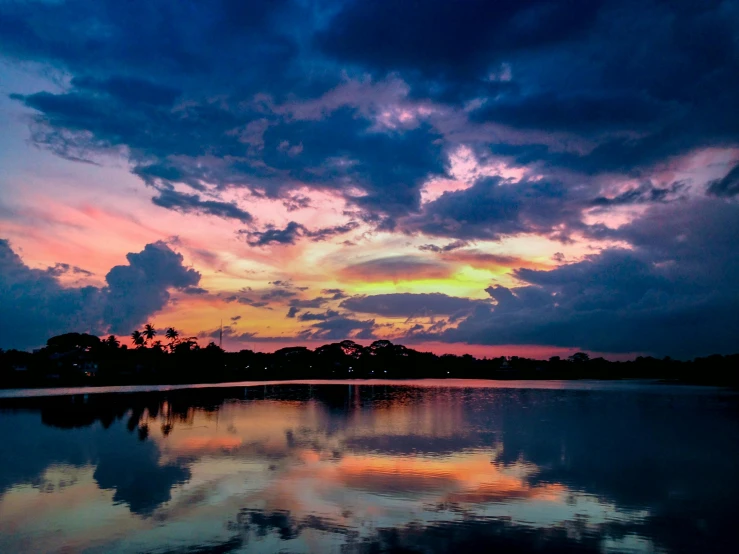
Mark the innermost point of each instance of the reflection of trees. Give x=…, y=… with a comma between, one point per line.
x=123, y=464
x=141, y=409
x=473, y=536
x=671, y=455
x=480, y=536
x=124, y=460
x=131, y=469
x=667, y=454
x=262, y=523
x=29, y=448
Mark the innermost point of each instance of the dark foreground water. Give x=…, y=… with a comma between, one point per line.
x=413, y=467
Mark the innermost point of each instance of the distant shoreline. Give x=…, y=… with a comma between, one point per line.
x=538, y=384
x=82, y=360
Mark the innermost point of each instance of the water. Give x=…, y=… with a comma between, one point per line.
x=371, y=467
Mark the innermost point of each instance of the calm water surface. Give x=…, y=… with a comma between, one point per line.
x=362, y=467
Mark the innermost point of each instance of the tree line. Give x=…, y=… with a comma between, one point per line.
x=142, y=339
x=83, y=359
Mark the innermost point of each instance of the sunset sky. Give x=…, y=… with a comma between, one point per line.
x=494, y=177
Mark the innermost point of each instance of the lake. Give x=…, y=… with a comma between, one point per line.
x=420, y=466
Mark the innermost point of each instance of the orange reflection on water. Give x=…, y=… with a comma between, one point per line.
x=461, y=477
x=201, y=444
x=326, y=461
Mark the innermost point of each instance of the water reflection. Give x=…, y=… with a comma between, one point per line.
x=305, y=468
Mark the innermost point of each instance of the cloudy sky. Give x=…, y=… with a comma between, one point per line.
x=494, y=177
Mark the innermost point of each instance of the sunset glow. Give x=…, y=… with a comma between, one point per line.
x=332, y=170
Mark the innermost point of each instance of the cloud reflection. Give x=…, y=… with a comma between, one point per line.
x=375, y=468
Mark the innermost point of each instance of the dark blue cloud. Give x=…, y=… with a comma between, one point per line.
x=318, y=316
x=288, y=235
x=579, y=112
x=645, y=193
x=396, y=268
x=35, y=306
x=642, y=81
x=294, y=231
x=225, y=41
x=197, y=291
x=60, y=269
x=409, y=304
x=136, y=290
x=454, y=245
x=728, y=186
x=324, y=233
x=341, y=153
x=86, y=123
x=278, y=294
x=198, y=103
x=341, y=327
x=204, y=97
x=445, y=40
x=495, y=207
x=192, y=203
x=668, y=295
x=638, y=82
x=130, y=90
x=337, y=293
x=316, y=302
x=343, y=150
x=281, y=293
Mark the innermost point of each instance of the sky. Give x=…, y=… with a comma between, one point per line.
x=494, y=177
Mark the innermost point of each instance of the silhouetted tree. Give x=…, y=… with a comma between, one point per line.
x=149, y=332
x=72, y=341
x=112, y=342
x=173, y=335
x=213, y=348
x=352, y=349
x=79, y=358
x=137, y=338
x=186, y=345
x=579, y=357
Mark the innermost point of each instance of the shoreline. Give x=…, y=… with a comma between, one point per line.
x=617, y=384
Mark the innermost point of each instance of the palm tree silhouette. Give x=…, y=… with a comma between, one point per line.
x=137, y=338
x=112, y=342
x=149, y=332
x=187, y=345
x=173, y=335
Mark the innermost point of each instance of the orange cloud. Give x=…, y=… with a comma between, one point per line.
x=495, y=262
x=396, y=268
